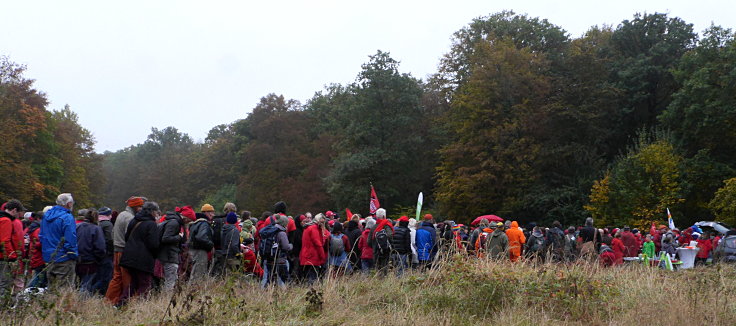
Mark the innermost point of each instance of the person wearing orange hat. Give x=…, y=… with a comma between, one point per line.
x=120, y=277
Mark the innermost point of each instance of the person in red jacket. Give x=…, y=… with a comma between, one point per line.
x=313, y=255
x=11, y=243
x=34, y=253
x=705, y=244
x=630, y=242
x=606, y=257
x=366, y=250
x=618, y=248
x=250, y=262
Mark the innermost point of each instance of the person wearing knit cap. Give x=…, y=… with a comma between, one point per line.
x=172, y=237
x=401, y=243
x=105, y=268
x=120, y=276
x=200, y=244
x=279, y=208
x=276, y=267
x=230, y=245
x=217, y=268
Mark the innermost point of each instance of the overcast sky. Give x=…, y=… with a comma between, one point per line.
x=127, y=66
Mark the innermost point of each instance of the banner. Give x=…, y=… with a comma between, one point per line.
x=669, y=219
x=420, y=201
x=374, y=205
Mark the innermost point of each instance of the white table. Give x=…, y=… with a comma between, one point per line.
x=687, y=256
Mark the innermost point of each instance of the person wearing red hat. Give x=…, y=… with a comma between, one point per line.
x=120, y=276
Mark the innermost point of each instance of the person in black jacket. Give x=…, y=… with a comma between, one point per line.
x=91, y=246
x=353, y=232
x=230, y=244
x=141, y=249
x=200, y=243
x=401, y=243
x=172, y=237
x=104, y=272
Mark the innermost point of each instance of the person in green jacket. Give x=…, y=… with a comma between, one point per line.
x=648, y=248
x=497, y=243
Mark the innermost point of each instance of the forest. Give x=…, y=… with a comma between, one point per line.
x=520, y=120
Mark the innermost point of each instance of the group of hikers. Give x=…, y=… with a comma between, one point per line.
x=127, y=254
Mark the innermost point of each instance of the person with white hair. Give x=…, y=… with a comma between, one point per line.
x=59, y=242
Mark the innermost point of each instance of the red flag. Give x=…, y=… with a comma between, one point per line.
x=652, y=230
x=349, y=214
x=375, y=205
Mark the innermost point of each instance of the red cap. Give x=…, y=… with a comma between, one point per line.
x=404, y=219
x=329, y=214
x=428, y=217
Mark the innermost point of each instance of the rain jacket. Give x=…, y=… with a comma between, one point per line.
x=91, y=243
x=200, y=235
x=7, y=240
x=366, y=251
x=516, y=240
x=313, y=247
x=426, y=240
x=649, y=249
x=606, y=258
x=618, y=250
x=141, y=244
x=34, y=246
x=496, y=244
x=170, y=245
x=56, y=224
x=631, y=244
x=230, y=241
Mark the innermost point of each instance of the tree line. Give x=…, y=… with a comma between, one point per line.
x=520, y=120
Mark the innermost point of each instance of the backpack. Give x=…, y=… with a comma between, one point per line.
x=480, y=242
x=268, y=247
x=217, y=231
x=383, y=242
x=337, y=247
x=537, y=244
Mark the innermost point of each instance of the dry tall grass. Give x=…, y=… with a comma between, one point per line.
x=461, y=291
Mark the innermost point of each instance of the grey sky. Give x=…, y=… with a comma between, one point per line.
x=127, y=66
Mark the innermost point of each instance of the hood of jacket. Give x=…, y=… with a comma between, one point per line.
x=140, y=217
x=5, y=214
x=498, y=232
x=515, y=224
x=55, y=213
x=174, y=216
x=351, y=225
x=247, y=225
x=605, y=248
x=35, y=225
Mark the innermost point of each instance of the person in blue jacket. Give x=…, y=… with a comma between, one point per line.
x=59, y=242
x=426, y=241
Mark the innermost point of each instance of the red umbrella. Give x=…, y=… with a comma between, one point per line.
x=490, y=218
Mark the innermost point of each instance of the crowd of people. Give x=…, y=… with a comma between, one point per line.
x=127, y=254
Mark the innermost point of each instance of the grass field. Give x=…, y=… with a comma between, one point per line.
x=460, y=292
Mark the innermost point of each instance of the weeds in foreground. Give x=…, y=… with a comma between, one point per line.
x=458, y=291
